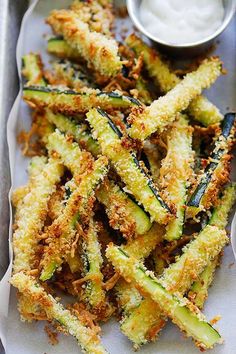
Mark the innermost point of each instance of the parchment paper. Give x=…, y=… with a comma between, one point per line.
x=24, y=338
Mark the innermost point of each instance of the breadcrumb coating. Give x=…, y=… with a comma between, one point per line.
x=176, y=171
x=98, y=50
x=32, y=215
x=173, y=306
x=87, y=338
x=162, y=112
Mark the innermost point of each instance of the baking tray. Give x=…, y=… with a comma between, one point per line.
x=11, y=13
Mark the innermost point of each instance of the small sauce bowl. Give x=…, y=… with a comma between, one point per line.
x=187, y=49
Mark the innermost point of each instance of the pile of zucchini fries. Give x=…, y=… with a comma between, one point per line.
x=129, y=191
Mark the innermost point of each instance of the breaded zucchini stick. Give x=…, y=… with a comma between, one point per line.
x=175, y=173
x=71, y=102
x=75, y=212
x=216, y=172
x=127, y=295
x=188, y=318
x=199, y=290
x=87, y=338
x=156, y=117
x=98, y=50
x=32, y=69
x=92, y=257
x=200, y=108
x=31, y=215
x=176, y=279
x=127, y=165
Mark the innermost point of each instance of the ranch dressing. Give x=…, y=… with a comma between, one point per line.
x=181, y=21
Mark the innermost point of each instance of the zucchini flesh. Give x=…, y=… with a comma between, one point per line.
x=176, y=279
x=94, y=292
x=31, y=215
x=32, y=69
x=123, y=213
x=127, y=165
x=199, y=198
x=70, y=102
x=77, y=208
x=87, y=338
x=162, y=112
x=98, y=50
x=200, y=108
x=175, y=173
x=187, y=317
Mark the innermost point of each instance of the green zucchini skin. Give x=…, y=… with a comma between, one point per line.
x=127, y=166
x=227, y=133
x=70, y=102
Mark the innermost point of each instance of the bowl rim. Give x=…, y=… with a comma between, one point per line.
x=205, y=40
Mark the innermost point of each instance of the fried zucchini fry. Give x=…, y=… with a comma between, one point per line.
x=87, y=338
x=71, y=102
x=216, y=172
x=175, y=173
x=32, y=69
x=127, y=165
x=188, y=318
x=32, y=214
x=156, y=117
x=61, y=234
x=98, y=50
x=200, y=108
x=94, y=292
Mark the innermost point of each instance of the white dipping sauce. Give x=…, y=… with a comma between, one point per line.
x=181, y=21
